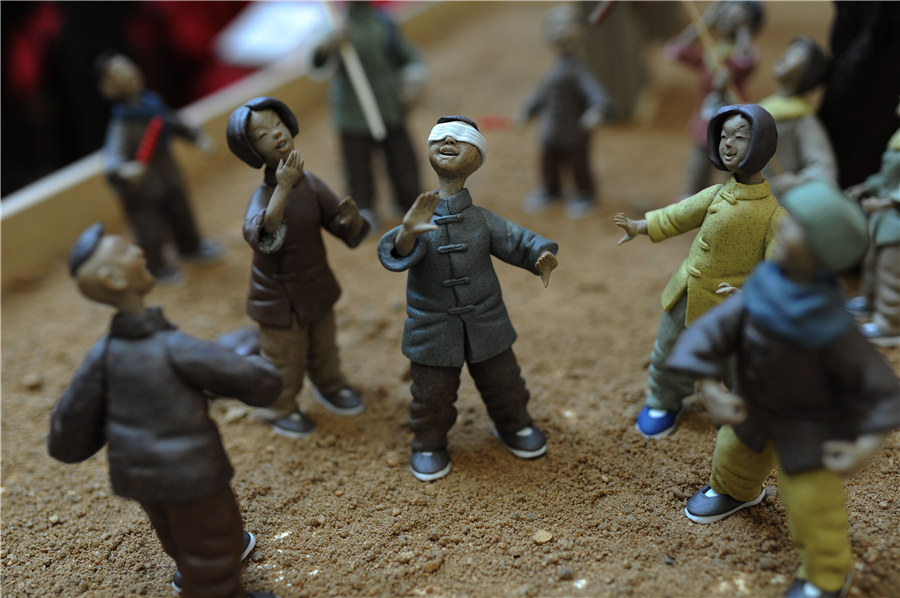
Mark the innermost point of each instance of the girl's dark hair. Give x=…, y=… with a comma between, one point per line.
x=236, y=131
x=763, y=136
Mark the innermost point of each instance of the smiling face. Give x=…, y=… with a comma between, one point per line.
x=270, y=137
x=451, y=158
x=734, y=141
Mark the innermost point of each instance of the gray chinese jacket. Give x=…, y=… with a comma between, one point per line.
x=455, y=310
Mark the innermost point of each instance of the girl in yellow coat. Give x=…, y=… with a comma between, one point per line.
x=737, y=223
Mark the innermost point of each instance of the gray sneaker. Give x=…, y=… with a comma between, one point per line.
x=292, y=425
x=345, y=401
x=708, y=506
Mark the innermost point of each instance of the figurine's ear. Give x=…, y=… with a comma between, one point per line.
x=111, y=279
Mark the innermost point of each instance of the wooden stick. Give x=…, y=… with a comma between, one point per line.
x=360, y=82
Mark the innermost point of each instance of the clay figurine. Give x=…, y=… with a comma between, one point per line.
x=804, y=152
x=392, y=77
x=811, y=395
x=141, y=169
x=879, y=196
x=570, y=103
x=731, y=61
x=455, y=311
x=292, y=290
x=737, y=223
x=142, y=391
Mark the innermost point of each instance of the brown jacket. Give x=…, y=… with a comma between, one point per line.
x=290, y=271
x=142, y=390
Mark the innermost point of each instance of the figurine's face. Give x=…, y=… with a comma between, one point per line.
x=122, y=79
x=269, y=136
x=116, y=269
x=791, y=252
x=734, y=141
x=450, y=157
x=789, y=65
x=730, y=17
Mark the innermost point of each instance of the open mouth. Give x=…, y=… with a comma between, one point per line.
x=449, y=151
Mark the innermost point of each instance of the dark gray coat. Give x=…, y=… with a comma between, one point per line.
x=141, y=391
x=454, y=305
x=796, y=397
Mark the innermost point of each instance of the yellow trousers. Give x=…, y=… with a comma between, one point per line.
x=814, y=501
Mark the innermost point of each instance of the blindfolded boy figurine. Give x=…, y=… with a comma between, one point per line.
x=142, y=391
x=455, y=310
x=139, y=164
x=292, y=290
x=736, y=223
x=812, y=396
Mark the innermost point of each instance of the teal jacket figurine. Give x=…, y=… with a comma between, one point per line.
x=812, y=396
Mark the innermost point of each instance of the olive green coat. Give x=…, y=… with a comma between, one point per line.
x=737, y=225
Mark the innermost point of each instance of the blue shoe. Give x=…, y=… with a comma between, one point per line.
x=428, y=466
x=657, y=423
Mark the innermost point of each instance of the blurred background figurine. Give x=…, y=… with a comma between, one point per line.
x=804, y=152
x=140, y=166
x=292, y=289
x=736, y=223
x=143, y=391
x=570, y=103
x=723, y=60
x=378, y=76
x=811, y=397
x=879, y=196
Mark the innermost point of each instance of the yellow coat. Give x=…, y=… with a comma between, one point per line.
x=737, y=225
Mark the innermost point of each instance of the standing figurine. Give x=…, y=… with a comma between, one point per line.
x=737, y=224
x=455, y=310
x=812, y=396
x=732, y=60
x=879, y=197
x=143, y=391
x=292, y=290
x=804, y=152
x=139, y=165
x=571, y=103
x=395, y=73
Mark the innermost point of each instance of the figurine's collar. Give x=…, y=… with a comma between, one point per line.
x=739, y=191
x=139, y=325
x=454, y=204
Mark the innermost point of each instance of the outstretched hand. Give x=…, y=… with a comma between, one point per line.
x=290, y=172
x=631, y=227
x=545, y=265
x=350, y=215
x=416, y=221
x=846, y=456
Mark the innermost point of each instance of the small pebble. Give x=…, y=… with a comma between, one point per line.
x=33, y=381
x=542, y=537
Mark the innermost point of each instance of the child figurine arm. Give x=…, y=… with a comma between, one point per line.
x=631, y=227
x=416, y=221
x=287, y=174
x=846, y=456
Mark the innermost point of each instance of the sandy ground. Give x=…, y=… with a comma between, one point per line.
x=339, y=513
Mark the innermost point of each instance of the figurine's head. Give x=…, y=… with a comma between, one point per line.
x=118, y=77
x=741, y=138
x=562, y=27
x=801, y=66
x=824, y=229
x=262, y=131
x=109, y=269
x=732, y=15
x=455, y=147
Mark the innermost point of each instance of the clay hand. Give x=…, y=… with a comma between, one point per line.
x=206, y=143
x=725, y=288
x=290, y=172
x=845, y=456
x=590, y=118
x=417, y=219
x=350, y=215
x=723, y=406
x=858, y=191
x=873, y=204
x=545, y=265
x=631, y=227
x=132, y=172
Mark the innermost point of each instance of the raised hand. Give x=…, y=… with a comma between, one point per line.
x=545, y=265
x=350, y=215
x=416, y=221
x=290, y=172
x=631, y=227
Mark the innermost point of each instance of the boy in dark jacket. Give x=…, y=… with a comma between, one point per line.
x=811, y=395
x=143, y=391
